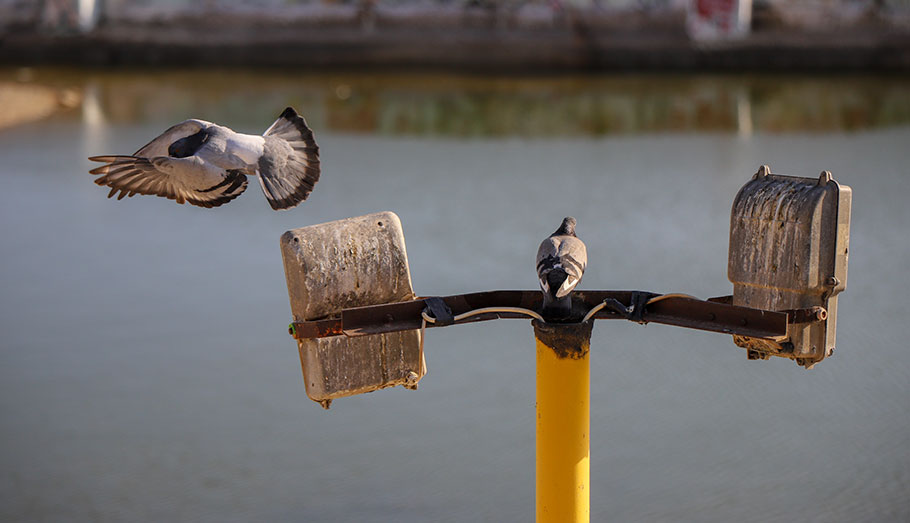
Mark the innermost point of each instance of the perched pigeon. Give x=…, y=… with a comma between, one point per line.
x=561, y=261
x=206, y=164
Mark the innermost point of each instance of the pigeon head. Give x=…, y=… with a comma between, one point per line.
x=567, y=228
x=187, y=146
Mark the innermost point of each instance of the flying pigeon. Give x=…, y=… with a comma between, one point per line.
x=561, y=261
x=206, y=164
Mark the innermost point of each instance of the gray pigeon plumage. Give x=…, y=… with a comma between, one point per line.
x=206, y=164
x=561, y=261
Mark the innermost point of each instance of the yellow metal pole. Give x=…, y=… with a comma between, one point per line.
x=563, y=422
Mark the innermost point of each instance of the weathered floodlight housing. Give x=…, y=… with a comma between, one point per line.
x=343, y=264
x=789, y=240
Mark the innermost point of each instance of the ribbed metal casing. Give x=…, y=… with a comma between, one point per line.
x=789, y=242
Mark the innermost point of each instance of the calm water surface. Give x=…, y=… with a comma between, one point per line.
x=146, y=373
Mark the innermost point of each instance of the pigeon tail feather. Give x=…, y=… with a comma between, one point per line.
x=289, y=167
x=555, y=279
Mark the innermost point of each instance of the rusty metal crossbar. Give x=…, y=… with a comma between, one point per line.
x=710, y=315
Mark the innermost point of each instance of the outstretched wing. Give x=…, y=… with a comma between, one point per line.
x=158, y=146
x=183, y=179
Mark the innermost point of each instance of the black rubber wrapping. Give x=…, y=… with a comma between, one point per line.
x=640, y=300
x=438, y=309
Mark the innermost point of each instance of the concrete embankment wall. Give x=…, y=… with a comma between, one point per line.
x=465, y=35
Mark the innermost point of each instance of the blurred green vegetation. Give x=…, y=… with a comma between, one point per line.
x=478, y=106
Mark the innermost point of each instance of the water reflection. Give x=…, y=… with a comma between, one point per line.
x=464, y=106
x=146, y=372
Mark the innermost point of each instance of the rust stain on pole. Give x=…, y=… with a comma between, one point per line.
x=568, y=340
